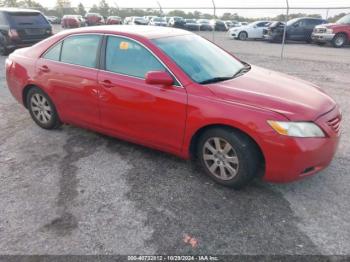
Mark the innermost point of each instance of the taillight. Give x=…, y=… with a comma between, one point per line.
x=13, y=33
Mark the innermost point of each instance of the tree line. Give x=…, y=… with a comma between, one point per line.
x=63, y=7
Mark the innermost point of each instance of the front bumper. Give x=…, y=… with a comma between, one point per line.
x=316, y=37
x=289, y=159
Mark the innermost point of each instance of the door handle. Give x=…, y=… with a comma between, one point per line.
x=44, y=69
x=107, y=83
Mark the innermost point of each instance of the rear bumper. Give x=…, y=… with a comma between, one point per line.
x=290, y=159
x=23, y=42
x=322, y=37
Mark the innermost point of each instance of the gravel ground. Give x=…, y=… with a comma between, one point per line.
x=73, y=191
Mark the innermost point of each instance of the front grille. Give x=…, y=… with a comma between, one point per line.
x=335, y=123
x=320, y=30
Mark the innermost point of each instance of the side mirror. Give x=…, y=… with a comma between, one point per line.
x=159, y=78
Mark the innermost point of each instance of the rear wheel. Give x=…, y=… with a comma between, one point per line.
x=42, y=109
x=228, y=157
x=243, y=36
x=339, y=40
x=3, y=50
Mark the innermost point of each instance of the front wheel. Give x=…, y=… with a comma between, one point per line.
x=243, y=36
x=229, y=157
x=42, y=109
x=339, y=40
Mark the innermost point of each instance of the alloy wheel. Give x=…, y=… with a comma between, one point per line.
x=41, y=108
x=220, y=158
x=339, y=40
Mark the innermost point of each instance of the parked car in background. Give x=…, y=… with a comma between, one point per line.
x=82, y=20
x=149, y=17
x=70, y=21
x=94, y=19
x=204, y=25
x=137, y=20
x=338, y=33
x=273, y=32
x=177, y=22
x=53, y=19
x=113, y=20
x=187, y=97
x=191, y=24
x=253, y=30
x=158, y=21
x=298, y=29
x=21, y=28
x=235, y=24
x=228, y=24
x=243, y=23
x=218, y=25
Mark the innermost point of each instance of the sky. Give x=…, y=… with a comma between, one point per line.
x=198, y=4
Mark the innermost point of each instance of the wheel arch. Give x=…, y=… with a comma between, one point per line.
x=195, y=139
x=25, y=93
x=243, y=31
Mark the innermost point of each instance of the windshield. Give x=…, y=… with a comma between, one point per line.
x=290, y=22
x=190, y=21
x=344, y=20
x=200, y=59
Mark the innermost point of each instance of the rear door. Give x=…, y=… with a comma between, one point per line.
x=68, y=72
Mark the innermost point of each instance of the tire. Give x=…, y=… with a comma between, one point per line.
x=339, y=40
x=243, y=36
x=42, y=110
x=235, y=164
x=3, y=50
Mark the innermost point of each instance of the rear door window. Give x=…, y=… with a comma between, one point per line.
x=27, y=19
x=81, y=50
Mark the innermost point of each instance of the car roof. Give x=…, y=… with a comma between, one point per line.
x=150, y=32
x=15, y=10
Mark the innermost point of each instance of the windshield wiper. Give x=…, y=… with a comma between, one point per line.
x=215, y=80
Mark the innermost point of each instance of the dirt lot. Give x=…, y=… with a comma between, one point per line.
x=73, y=191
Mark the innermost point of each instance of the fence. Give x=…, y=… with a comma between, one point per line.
x=285, y=7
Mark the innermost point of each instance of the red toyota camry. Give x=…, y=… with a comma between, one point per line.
x=174, y=91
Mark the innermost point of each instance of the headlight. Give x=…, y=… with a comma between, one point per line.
x=296, y=129
x=329, y=31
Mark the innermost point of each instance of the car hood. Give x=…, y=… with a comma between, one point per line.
x=294, y=98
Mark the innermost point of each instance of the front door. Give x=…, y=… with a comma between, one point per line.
x=131, y=108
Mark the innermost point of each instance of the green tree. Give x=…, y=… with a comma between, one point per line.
x=94, y=9
x=9, y=3
x=104, y=8
x=336, y=17
x=81, y=9
x=34, y=5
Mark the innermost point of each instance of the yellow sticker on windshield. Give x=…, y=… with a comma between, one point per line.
x=124, y=45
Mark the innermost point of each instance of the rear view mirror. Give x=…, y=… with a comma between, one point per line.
x=159, y=78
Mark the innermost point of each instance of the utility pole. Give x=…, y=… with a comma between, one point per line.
x=285, y=30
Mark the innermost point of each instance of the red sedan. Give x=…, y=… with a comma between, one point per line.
x=113, y=20
x=174, y=91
